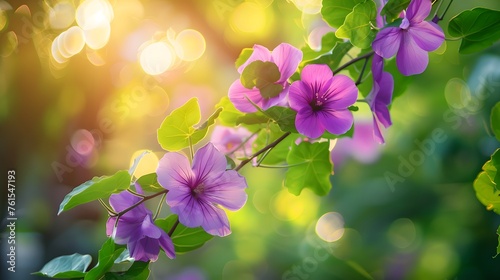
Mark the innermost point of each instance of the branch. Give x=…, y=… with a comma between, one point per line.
x=270, y=146
x=342, y=67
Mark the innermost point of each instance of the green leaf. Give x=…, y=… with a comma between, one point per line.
x=229, y=115
x=138, y=271
x=98, y=187
x=149, y=183
x=262, y=75
x=492, y=166
x=311, y=168
x=283, y=116
x=334, y=12
x=487, y=193
x=498, y=246
x=393, y=9
x=107, y=255
x=357, y=27
x=252, y=118
x=185, y=239
x=177, y=130
x=328, y=42
x=333, y=58
x=279, y=153
x=495, y=120
x=243, y=57
x=70, y=266
x=479, y=28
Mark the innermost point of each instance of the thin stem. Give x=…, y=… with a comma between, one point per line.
x=135, y=193
x=358, y=81
x=160, y=205
x=191, y=150
x=243, y=143
x=171, y=231
x=145, y=198
x=354, y=60
x=109, y=209
x=362, y=100
x=270, y=146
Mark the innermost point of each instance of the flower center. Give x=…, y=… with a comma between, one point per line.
x=198, y=190
x=405, y=24
x=318, y=101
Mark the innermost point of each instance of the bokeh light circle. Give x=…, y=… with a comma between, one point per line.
x=330, y=227
x=74, y=40
x=249, y=17
x=82, y=142
x=190, y=45
x=156, y=58
x=93, y=14
x=61, y=15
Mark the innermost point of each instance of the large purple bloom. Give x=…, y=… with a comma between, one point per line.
x=411, y=40
x=196, y=193
x=286, y=58
x=321, y=101
x=136, y=229
x=380, y=97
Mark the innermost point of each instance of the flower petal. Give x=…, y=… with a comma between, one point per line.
x=145, y=249
x=411, y=59
x=186, y=206
x=377, y=133
x=308, y=125
x=259, y=53
x=317, y=76
x=239, y=96
x=174, y=171
x=428, y=35
x=208, y=162
x=122, y=201
x=418, y=10
x=386, y=87
x=300, y=95
x=110, y=225
x=215, y=220
x=342, y=92
x=336, y=121
x=227, y=190
x=387, y=42
x=149, y=229
x=167, y=245
x=287, y=58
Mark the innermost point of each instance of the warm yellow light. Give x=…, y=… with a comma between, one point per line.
x=61, y=15
x=156, y=58
x=97, y=38
x=93, y=14
x=10, y=44
x=190, y=45
x=308, y=6
x=147, y=164
x=74, y=40
x=330, y=227
x=249, y=17
x=3, y=19
x=56, y=53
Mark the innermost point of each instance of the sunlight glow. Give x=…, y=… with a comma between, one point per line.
x=62, y=15
x=157, y=58
x=190, y=45
x=94, y=17
x=330, y=227
x=147, y=164
x=249, y=17
x=73, y=40
x=308, y=6
x=98, y=37
x=3, y=19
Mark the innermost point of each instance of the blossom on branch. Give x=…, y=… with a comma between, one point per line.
x=196, y=193
x=286, y=58
x=233, y=141
x=380, y=97
x=411, y=40
x=322, y=100
x=137, y=229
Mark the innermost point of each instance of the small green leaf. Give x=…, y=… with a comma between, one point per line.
x=262, y=75
x=311, y=168
x=107, y=255
x=479, y=28
x=283, y=116
x=279, y=153
x=328, y=41
x=353, y=108
x=334, y=12
x=229, y=115
x=98, y=187
x=332, y=58
x=185, y=239
x=495, y=120
x=487, y=193
x=252, y=118
x=138, y=271
x=243, y=57
x=492, y=167
x=393, y=9
x=498, y=246
x=70, y=266
x=177, y=130
x=149, y=183
x=357, y=25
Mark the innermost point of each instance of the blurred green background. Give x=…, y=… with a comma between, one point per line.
x=73, y=107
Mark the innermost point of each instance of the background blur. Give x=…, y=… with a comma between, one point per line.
x=76, y=104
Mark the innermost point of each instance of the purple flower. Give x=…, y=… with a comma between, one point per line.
x=286, y=58
x=196, y=193
x=380, y=97
x=321, y=101
x=411, y=40
x=136, y=229
x=230, y=140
